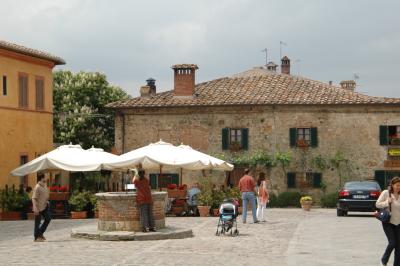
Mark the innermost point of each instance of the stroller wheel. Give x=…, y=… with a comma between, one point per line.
x=217, y=233
x=236, y=232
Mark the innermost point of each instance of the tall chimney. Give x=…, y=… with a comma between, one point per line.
x=348, y=85
x=152, y=84
x=285, y=65
x=184, y=79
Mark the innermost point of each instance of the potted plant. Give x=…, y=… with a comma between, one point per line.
x=235, y=146
x=217, y=198
x=11, y=203
x=234, y=193
x=205, y=200
x=78, y=202
x=306, y=202
x=95, y=207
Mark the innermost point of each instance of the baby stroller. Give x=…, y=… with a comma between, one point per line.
x=227, y=218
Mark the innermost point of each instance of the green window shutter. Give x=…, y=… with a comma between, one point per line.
x=380, y=177
x=383, y=135
x=291, y=180
x=153, y=181
x=225, y=138
x=317, y=178
x=175, y=179
x=245, y=138
x=314, y=137
x=293, y=136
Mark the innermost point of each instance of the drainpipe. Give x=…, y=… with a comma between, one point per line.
x=123, y=133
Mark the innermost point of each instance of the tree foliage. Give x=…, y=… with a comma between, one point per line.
x=80, y=115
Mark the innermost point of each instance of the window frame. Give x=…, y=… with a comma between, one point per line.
x=4, y=82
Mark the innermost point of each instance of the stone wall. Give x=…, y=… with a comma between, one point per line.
x=352, y=130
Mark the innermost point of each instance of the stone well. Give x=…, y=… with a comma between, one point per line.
x=118, y=211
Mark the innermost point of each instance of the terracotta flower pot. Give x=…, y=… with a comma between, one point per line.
x=204, y=210
x=177, y=210
x=306, y=205
x=79, y=215
x=215, y=212
x=10, y=216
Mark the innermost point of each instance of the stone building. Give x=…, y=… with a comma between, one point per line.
x=26, y=108
x=261, y=109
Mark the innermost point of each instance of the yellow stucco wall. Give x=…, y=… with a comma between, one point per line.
x=23, y=131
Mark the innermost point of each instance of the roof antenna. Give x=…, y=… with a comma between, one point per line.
x=266, y=55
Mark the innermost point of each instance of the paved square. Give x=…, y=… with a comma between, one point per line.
x=289, y=237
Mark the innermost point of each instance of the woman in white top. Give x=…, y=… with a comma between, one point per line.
x=262, y=198
x=392, y=228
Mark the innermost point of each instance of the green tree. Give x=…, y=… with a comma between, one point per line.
x=80, y=115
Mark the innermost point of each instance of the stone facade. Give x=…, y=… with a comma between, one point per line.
x=353, y=130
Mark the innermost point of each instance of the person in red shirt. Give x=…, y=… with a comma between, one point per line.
x=247, y=187
x=144, y=202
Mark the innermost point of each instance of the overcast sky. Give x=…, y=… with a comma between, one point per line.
x=131, y=41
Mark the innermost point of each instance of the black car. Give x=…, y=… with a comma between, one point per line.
x=359, y=196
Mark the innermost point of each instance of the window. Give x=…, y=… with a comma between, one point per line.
x=4, y=85
x=23, y=159
x=304, y=180
x=39, y=84
x=235, y=139
x=157, y=181
x=303, y=137
x=23, y=90
x=389, y=135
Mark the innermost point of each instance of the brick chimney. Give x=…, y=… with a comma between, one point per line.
x=348, y=85
x=285, y=65
x=184, y=79
x=271, y=66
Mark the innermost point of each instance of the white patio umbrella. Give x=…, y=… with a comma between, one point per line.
x=67, y=157
x=166, y=155
x=207, y=161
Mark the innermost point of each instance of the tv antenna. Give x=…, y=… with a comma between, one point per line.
x=280, y=49
x=266, y=55
x=297, y=61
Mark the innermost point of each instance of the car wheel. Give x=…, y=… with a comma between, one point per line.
x=340, y=212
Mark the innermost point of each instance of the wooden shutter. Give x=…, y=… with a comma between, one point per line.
x=380, y=177
x=291, y=180
x=153, y=181
x=314, y=137
x=225, y=138
x=317, y=179
x=245, y=138
x=293, y=136
x=39, y=94
x=383, y=135
x=23, y=90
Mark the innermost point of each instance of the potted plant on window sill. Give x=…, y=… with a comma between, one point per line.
x=302, y=143
x=235, y=146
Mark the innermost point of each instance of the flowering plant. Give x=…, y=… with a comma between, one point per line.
x=58, y=188
x=182, y=187
x=171, y=186
x=305, y=199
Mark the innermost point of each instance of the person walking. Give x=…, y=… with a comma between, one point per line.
x=390, y=199
x=262, y=198
x=40, y=206
x=144, y=201
x=247, y=187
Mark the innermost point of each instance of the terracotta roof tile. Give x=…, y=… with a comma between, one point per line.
x=31, y=52
x=258, y=87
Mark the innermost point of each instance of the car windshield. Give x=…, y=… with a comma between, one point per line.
x=361, y=185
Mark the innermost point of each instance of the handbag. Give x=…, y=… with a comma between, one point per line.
x=383, y=215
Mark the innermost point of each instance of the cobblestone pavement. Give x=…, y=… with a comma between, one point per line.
x=289, y=237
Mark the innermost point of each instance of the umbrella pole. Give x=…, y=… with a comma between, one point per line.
x=159, y=187
x=181, y=178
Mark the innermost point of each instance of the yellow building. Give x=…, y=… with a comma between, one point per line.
x=26, y=108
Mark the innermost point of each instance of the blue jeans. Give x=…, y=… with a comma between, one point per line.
x=41, y=228
x=246, y=197
x=392, y=233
